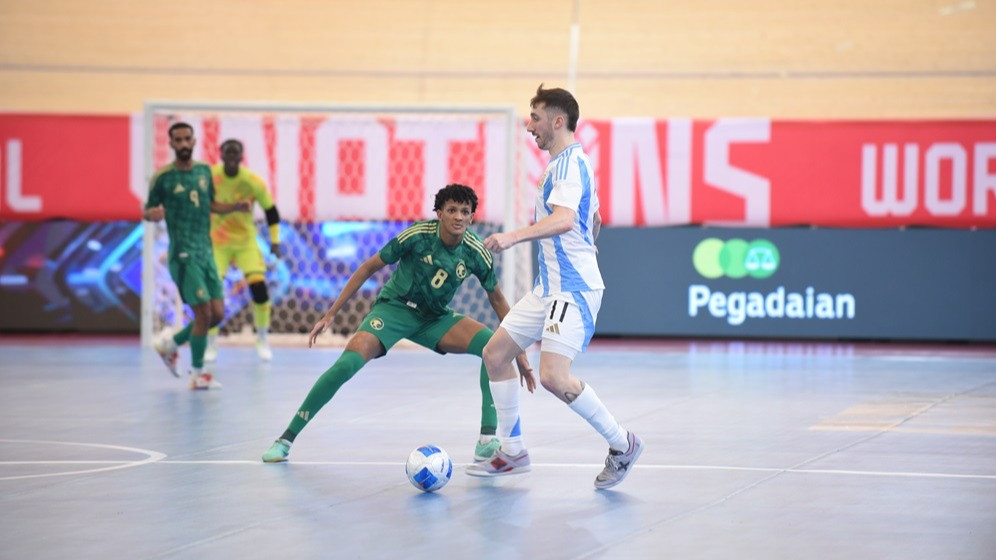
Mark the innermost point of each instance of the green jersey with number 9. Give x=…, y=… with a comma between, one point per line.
x=429, y=272
x=186, y=196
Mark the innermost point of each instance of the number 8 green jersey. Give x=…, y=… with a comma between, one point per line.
x=186, y=196
x=429, y=272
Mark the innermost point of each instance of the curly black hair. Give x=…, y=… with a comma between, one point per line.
x=457, y=193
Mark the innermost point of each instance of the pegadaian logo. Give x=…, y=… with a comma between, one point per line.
x=735, y=258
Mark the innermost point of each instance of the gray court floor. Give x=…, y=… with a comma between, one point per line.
x=754, y=450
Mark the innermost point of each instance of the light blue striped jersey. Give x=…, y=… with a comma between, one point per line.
x=567, y=261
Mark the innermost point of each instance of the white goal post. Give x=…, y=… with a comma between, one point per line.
x=347, y=174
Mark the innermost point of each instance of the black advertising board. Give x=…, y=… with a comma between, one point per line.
x=895, y=284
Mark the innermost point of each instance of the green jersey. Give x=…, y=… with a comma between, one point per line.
x=429, y=272
x=186, y=196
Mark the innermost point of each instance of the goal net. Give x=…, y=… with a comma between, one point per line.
x=345, y=179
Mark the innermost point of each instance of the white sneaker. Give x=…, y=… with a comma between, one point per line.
x=263, y=350
x=618, y=464
x=166, y=349
x=501, y=464
x=203, y=381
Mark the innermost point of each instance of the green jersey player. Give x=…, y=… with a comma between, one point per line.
x=183, y=193
x=434, y=257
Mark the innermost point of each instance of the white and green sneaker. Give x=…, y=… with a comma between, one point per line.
x=277, y=453
x=486, y=450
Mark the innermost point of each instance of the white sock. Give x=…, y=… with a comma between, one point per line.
x=506, y=397
x=261, y=334
x=212, y=340
x=590, y=407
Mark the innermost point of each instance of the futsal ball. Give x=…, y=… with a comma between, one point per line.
x=429, y=468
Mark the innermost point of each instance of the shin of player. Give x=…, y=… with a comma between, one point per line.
x=562, y=308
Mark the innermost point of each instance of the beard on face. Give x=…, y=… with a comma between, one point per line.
x=183, y=154
x=541, y=140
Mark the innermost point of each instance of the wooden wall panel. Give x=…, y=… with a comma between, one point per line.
x=707, y=58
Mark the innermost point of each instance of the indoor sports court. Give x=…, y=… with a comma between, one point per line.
x=791, y=206
x=754, y=450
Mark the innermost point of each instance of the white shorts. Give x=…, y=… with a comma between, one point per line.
x=564, y=322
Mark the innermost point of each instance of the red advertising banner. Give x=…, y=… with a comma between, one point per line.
x=56, y=166
x=736, y=172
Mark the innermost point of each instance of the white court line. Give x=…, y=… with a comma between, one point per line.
x=67, y=462
x=539, y=465
x=151, y=457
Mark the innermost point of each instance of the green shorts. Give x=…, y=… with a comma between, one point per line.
x=196, y=279
x=392, y=320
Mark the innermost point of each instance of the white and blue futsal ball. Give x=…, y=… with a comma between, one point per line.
x=429, y=468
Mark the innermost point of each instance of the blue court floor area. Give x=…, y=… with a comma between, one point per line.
x=754, y=450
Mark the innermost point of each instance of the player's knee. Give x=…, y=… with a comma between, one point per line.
x=259, y=292
x=215, y=320
x=202, y=320
x=215, y=313
x=493, y=358
x=554, y=379
x=550, y=383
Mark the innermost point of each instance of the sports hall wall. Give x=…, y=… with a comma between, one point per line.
x=887, y=75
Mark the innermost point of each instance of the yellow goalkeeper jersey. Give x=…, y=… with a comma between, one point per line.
x=237, y=228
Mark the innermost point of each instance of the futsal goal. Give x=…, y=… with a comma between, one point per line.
x=345, y=179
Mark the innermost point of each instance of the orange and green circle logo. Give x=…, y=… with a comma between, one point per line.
x=735, y=258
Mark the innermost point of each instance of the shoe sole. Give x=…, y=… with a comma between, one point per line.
x=280, y=460
x=214, y=385
x=632, y=462
x=516, y=470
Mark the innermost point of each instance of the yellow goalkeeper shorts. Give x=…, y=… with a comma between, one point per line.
x=247, y=258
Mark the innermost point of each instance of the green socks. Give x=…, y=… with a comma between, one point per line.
x=324, y=389
x=350, y=362
x=197, y=346
x=183, y=335
x=489, y=417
